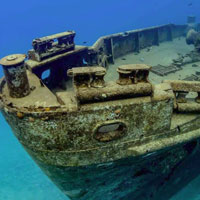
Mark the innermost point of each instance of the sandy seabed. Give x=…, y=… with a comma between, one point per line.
x=162, y=55
x=21, y=179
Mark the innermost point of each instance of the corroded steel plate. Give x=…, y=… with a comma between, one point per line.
x=13, y=59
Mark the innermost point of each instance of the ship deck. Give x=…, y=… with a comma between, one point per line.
x=162, y=54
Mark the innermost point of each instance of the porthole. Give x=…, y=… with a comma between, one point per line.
x=110, y=131
x=46, y=74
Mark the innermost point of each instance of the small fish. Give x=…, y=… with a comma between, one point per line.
x=123, y=58
x=84, y=42
x=190, y=4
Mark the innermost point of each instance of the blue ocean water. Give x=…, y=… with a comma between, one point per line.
x=22, y=21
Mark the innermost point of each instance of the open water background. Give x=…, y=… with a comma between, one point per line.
x=21, y=21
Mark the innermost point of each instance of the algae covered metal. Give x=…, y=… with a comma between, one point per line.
x=96, y=137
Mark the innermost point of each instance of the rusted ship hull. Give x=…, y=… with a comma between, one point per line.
x=129, y=170
x=135, y=176
x=119, y=139
x=158, y=176
x=139, y=175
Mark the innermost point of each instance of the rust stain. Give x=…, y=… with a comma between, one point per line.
x=20, y=115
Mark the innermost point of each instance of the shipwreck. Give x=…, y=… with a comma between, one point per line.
x=102, y=121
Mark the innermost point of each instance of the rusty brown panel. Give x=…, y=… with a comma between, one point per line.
x=188, y=107
x=111, y=92
x=15, y=75
x=108, y=178
x=184, y=86
x=58, y=69
x=49, y=46
x=76, y=130
x=90, y=86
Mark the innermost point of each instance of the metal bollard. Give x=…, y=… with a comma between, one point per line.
x=15, y=75
x=98, y=79
x=126, y=77
x=133, y=73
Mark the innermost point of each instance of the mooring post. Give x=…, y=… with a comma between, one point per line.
x=15, y=75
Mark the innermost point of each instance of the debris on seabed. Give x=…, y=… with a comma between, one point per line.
x=197, y=73
x=148, y=49
x=195, y=65
x=142, y=59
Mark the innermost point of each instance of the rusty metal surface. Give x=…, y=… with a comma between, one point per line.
x=56, y=36
x=134, y=67
x=181, y=89
x=68, y=130
x=115, y=179
x=113, y=91
x=13, y=59
x=184, y=86
x=31, y=64
x=52, y=45
x=90, y=86
x=86, y=70
x=133, y=73
x=101, y=122
x=15, y=75
x=40, y=96
x=119, y=44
